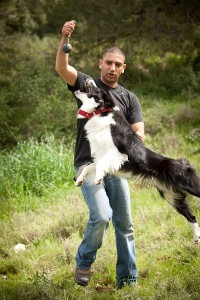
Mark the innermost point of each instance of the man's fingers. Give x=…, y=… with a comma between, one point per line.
x=68, y=27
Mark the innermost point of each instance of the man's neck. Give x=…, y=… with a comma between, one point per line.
x=110, y=84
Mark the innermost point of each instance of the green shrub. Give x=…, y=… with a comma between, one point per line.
x=34, y=101
x=164, y=76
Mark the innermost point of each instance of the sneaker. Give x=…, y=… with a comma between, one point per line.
x=82, y=276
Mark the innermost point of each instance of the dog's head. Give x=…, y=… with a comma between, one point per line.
x=95, y=97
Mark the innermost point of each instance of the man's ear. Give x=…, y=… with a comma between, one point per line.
x=124, y=67
x=100, y=63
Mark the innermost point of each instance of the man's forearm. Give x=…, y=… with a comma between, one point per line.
x=61, y=57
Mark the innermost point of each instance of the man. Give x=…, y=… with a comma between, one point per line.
x=111, y=199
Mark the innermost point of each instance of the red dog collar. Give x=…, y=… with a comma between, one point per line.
x=94, y=113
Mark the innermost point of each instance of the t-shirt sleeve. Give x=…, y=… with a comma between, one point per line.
x=135, y=111
x=80, y=83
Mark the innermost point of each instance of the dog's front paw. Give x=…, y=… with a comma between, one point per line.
x=79, y=181
x=98, y=180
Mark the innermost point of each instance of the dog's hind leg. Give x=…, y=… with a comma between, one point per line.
x=178, y=201
x=182, y=206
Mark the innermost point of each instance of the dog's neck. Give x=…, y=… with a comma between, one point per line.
x=92, y=106
x=88, y=115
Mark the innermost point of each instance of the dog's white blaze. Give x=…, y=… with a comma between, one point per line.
x=108, y=158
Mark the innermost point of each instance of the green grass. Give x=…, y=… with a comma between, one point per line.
x=167, y=258
x=41, y=209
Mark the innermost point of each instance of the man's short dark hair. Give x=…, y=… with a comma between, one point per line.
x=115, y=50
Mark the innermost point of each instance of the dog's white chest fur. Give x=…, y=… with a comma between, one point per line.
x=98, y=134
x=103, y=149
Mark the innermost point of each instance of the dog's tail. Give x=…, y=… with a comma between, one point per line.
x=175, y=174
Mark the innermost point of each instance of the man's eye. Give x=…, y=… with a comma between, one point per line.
x=118, y=65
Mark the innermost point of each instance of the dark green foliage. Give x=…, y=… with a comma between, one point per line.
x=161, y=40
x=34, y=100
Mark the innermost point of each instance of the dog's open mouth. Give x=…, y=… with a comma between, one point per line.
x=92, y=91
x=101, y=99
x=88, y=86
x=91, y=86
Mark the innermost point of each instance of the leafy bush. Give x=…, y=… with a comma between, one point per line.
x=165, y=76
x=34, y=100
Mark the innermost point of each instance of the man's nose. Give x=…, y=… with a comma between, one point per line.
x=112, y=67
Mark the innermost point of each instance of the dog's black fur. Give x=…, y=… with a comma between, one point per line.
x=172, y=177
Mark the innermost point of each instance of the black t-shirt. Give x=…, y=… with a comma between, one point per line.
x=124, y=99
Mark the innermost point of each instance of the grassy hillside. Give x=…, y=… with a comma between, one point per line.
x=167, y=258
x=41, y=209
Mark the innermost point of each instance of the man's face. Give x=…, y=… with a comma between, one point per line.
x=111, y=65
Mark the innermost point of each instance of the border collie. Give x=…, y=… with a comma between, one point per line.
x=116, y=148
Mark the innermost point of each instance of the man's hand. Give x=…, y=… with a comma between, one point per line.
x=68, y=28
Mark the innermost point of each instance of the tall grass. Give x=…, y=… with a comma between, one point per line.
x=34, y=169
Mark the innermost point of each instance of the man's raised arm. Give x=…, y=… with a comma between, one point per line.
x=67, y=72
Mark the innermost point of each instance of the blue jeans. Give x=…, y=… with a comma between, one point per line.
x=109, y=200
